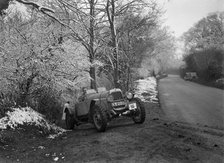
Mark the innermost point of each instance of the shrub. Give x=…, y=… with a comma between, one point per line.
x=208, y=63
x=6, y=102
x=47, y=102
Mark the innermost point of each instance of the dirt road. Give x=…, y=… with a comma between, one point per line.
x=157, y=140
x=190, y=102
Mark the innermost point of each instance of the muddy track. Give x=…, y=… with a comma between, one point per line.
x=157, y=139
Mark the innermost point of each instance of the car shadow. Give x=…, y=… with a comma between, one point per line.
x=127, y=124
x=111, y=126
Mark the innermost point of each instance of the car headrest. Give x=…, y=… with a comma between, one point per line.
x=90, y=91
x=101, y=89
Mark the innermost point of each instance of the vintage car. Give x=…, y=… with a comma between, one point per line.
x=101, y=106
x=190, y=76
x=220, y=81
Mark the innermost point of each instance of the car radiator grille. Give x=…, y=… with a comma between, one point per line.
x=117, y=95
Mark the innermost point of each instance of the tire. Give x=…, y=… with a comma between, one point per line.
x=69, y=120
x=140, y=118
x=99, y=118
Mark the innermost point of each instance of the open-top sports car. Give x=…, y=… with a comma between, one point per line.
x=101, y=106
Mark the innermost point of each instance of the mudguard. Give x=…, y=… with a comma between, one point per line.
x=102, y=103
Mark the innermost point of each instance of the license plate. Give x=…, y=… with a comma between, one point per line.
x=132, y=106
x=118, y=103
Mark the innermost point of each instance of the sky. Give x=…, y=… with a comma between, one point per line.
x=182, y=14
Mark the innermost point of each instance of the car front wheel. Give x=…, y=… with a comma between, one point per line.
x=140, y=112
x=99, y=118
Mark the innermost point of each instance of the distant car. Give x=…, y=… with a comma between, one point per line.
x=190, y=76
x=161, y=75
x=101, y=106
x=164, y=75
x=220, y=81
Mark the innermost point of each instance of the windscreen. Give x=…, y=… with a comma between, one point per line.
x=117, y=95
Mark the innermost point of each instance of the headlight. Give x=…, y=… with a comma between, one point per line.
x=129, y=95
x=110, y=98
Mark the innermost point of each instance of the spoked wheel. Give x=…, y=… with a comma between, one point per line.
x=140, y=114
x=69, y=120
x=99, y=118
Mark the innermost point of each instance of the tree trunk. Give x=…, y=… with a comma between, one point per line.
x=128, y=77
x=91, y=44
x=111, y=16
x=115, y=55
x=128, y=62
x=93, y=77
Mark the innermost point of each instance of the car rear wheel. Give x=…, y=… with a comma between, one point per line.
x=99, y=118
x=140, y=115
x=69, y=120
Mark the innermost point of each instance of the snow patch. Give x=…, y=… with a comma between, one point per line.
x=146, y=89
x=28, y=116
x=56, y=159
x=52, y=136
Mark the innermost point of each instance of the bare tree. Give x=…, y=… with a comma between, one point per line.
x=110, y=9
x=118, y=12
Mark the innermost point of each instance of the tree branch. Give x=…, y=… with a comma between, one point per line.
x=35, y=5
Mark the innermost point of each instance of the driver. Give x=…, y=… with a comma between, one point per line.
x=83, y=96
